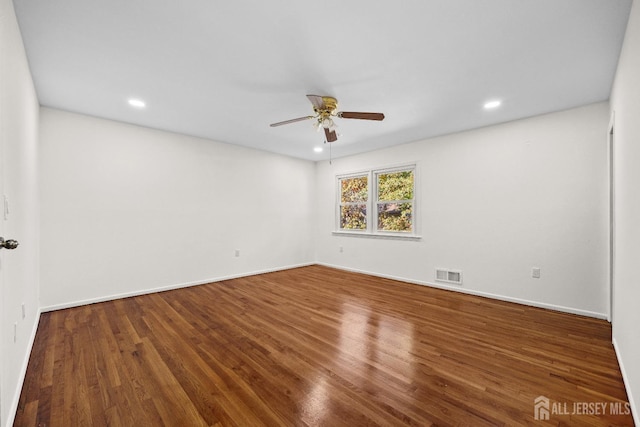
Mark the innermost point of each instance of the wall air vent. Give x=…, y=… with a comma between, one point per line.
x=449, y=276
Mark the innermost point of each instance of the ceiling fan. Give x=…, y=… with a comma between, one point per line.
x=326, y=107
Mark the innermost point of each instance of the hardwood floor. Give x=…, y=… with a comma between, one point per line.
x=317, y=346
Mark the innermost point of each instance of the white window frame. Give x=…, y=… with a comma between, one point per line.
x=372, y=204
x=367, y=203
x=376, y=201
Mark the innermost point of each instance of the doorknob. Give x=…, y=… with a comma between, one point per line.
x=8, y=244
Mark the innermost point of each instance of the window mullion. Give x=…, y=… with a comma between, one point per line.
x=372, y=213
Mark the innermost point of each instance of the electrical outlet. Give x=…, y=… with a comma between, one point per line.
x=535, y=272
x=237, y=253
x=24, y=311
x=341, y=249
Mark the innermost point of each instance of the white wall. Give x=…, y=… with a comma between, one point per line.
x=127, y=209
x=625, y=102
x=18, y=167
x=495, y=202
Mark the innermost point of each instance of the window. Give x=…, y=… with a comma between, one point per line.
x=395, y=201
x=354, y=194
x=377, y=202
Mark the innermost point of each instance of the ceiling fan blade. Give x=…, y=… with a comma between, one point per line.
x=316, y=101
x=330, y=135
x=362, y=116
x=286, y=122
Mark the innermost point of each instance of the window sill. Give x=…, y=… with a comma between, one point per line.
x=410, y=237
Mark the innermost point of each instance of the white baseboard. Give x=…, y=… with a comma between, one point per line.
x=23, y=370
x=165, y=288
x=627, y=386
x=538, y=304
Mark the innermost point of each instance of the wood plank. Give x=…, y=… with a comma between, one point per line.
x=316, y=346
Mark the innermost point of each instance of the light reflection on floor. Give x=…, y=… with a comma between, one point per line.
x=316, y=403
x=366, y=336
x=363, y=346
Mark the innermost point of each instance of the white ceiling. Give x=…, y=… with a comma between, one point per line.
x=225, y=70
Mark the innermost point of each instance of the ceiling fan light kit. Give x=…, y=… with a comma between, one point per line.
x=325, y=109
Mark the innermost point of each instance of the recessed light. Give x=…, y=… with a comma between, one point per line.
x=138, y=103
x=492, y=104
x=318, y=149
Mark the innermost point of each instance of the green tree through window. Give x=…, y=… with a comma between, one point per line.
x=354, y=194
x=395, y=201
x=387, y=207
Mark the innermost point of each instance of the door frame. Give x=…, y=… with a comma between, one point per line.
x=612, y=217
